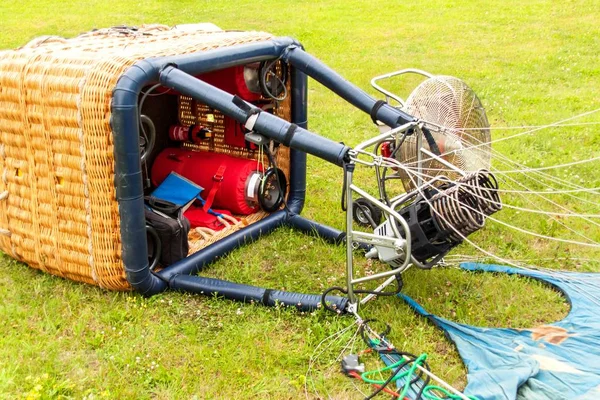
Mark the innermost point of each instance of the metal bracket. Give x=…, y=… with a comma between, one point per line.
x=389, y=95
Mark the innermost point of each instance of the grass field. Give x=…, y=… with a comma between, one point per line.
x=530, y=62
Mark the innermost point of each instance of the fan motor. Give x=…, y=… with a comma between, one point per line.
x=440, y=218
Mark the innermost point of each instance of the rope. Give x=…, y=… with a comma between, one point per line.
x=333, y=338
x=542, y=197
x=594, y=190
x=557, y=275
x=569, y=213
x=514, y=171
x=508, y=161
x=594, y=244
x=535, y=211
x=555, y=124
x=512, y=128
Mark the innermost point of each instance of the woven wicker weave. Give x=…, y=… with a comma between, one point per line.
x=58, y=209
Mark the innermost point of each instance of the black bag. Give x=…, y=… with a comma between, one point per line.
x=163, y=206
x=167, y=236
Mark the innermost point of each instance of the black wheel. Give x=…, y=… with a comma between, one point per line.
x=365, y=213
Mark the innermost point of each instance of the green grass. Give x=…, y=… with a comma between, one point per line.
x=531, y=63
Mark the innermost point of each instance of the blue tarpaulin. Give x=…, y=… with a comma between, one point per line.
x=560, y=360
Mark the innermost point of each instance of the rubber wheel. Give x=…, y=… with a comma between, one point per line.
x=365, y=213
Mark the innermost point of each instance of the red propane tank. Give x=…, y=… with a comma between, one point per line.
x=201, y=167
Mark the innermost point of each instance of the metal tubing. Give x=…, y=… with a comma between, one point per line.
x=379, y=288
x=221, y=58
x=389, y=94
x=382, y=136
x=269, y=125
x=197, y=261
x=407, y=238
x=370, y=238
x=391, y=212
x=316, y=69
x=349, y=170
x=419, y=134
x=253, y=294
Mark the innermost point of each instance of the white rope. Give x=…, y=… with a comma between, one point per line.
x=513, y=128
x=508, y=161
x=396, y=164
x=234, y=221
x=556, y=275
x=5, y=232
x=593, y=243
x=4, y=195
x=595, y=191
x=514, y=171
x=334, y=337
x=534, y=211
x=522, y=133
x=502, y=157
x=567, y=210
x=559, y=206
x=542, y=175
x=540, y=236
x=469, y=257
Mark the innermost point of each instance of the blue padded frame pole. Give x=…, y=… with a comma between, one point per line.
x=175, y=72
x=253, y=294
x=179, y=274
x=267, y=124
x=311, y=227
x=299, y=93
x=298, y=191
x=195, y=262
x=125, y=128
x=319, y=71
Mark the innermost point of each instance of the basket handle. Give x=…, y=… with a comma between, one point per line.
x=37, y=42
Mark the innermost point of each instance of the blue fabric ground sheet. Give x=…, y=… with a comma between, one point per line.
x=555, y=361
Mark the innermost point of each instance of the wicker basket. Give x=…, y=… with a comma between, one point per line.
x=58, y=208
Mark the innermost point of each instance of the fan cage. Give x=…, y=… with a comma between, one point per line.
x=457, y=120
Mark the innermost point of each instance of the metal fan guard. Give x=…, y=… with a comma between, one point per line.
x=457, y=120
